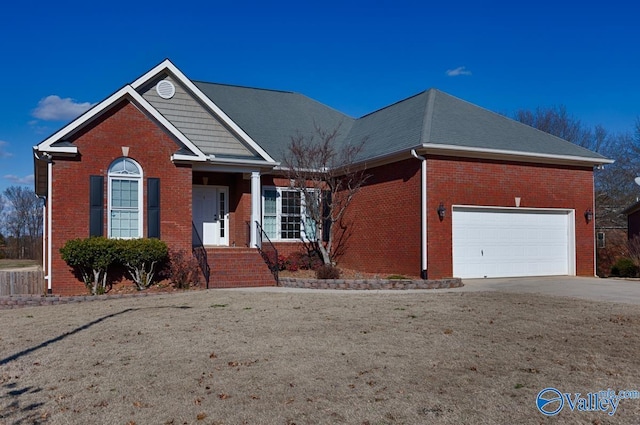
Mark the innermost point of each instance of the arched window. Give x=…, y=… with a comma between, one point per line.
x=125, y=199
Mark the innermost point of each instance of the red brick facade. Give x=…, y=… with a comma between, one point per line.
x=98, y=146
x=458, y=181
x=382, y=224
x=385, y=215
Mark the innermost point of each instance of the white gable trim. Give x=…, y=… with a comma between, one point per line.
x=167, y=65
x=126, y=92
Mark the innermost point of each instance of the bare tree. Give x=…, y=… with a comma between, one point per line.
x=326, y=175
x=2, y=238
x=23, y=221
x=614, y=183
x=1, y=210
x=557, y=121
x=615, y=189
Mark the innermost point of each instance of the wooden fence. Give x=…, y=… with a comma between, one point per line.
x=22, y=282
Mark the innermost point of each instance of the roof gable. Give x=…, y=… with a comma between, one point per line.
x=170, y=69
x=195, y=120
x=57, y=143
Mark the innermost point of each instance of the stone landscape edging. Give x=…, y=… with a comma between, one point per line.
x=19, y=301
x=369, y=284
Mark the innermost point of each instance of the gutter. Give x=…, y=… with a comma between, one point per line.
x=423, y=210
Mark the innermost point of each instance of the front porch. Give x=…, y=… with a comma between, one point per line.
x=225, y=237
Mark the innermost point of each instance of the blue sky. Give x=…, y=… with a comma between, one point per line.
x=356, y=56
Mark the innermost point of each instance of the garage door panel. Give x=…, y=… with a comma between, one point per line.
x=505, y=243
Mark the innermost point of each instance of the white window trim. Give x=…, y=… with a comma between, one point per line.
x=279, y=190
x=139, y=178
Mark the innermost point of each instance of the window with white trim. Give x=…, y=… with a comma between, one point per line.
x=125, y=199
x=283, y=210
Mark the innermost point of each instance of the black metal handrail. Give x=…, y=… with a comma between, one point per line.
x=200, y=253
x=268, y=252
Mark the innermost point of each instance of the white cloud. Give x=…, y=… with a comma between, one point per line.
x=54, y=108
x=3, y=150
x=461, y=70
x=26, y=180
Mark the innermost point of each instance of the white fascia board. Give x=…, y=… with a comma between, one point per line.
x=182, y=157
x=230, y=168
x=167, y=65
x=470, y=152
x=232, y=165
x=45, y=146
x=434, y=148
x=58, y=149
x=262, y=163
x=126, y=92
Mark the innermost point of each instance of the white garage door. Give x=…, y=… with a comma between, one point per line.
x=512, y=242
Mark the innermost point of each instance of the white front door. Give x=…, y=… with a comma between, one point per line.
x=211, y=214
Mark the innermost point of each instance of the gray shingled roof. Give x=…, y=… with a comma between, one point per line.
x=272, y=117
x=432, y=117
x=460, y=123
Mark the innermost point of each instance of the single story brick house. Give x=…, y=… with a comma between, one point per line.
x=455, y=190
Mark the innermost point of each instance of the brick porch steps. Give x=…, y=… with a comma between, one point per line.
x=238, y=267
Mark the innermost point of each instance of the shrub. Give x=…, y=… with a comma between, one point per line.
x=91, y=258
x=282, y=262
x=624, y=267
x=327, y=271
x=184, y=270
x=140, y=257
x=303, y=261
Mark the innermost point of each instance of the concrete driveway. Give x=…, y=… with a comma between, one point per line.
x=589, y=288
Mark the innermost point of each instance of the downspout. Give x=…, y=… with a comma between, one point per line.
x=46, y=220
x=44, y=232
x=49, y=221
x=423, y=209
x=593, y=234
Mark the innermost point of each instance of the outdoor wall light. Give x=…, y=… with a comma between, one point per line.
x=588, y=215
x=441, y=211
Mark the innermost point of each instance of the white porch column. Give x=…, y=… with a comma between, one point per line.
x=256, y=196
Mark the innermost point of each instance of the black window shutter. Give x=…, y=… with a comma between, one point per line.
x=153, y=207
x=96, y=205
x=326, y=211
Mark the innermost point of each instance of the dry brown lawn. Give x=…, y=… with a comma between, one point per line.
x=230, y=357
x=11, y=264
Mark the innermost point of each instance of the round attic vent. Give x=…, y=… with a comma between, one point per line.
x=165, y=89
